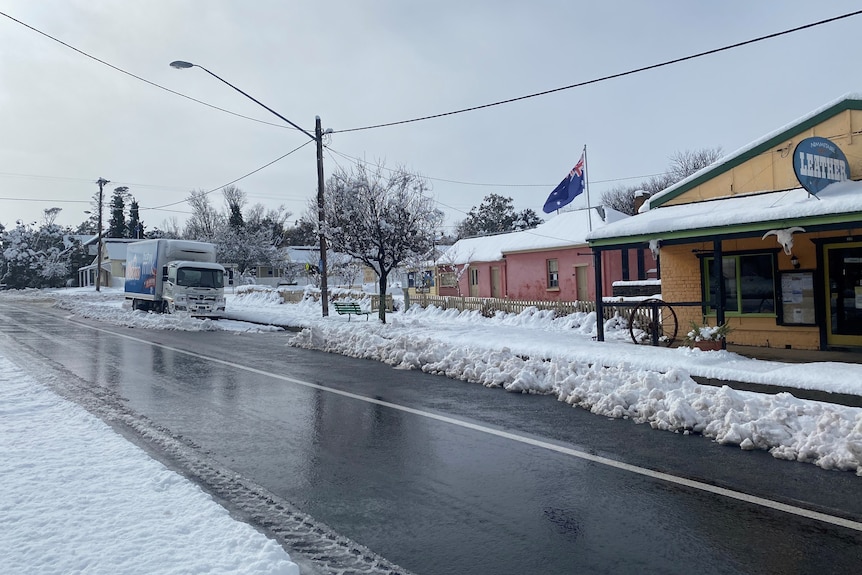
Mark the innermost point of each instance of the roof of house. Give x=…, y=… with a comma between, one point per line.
x=851, y=101
x=836, y=204
x=116, y=247
x=567, y=229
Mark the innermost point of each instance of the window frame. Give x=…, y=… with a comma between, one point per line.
x=706, y=268
x=552, y=269
x=448, y=280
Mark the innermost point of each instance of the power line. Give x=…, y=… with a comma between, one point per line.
x=472, y=108
x=434, y=116
x=608, y=77
x=40, y=200
x=135, y=76
x=482, y=184
x=266, y=165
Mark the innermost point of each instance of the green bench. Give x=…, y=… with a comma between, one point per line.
x=349, y=309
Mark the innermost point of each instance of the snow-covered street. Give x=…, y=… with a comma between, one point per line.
x=78, y=497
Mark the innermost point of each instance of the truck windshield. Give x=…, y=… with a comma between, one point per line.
x=194, y=277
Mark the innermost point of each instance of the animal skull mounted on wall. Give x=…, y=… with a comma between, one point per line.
x=784, y=237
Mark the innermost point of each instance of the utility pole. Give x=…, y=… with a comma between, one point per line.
x=318, y=139
x=101, y=182
x=321, y=217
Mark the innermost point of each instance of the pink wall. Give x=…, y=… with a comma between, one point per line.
x=528, y=274
x=523, y=276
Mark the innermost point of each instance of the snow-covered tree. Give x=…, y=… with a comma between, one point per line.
x=247, y=248
x=379, y=218
x=35, y=258
x=206, y=222
x=274, y=220
x=235, y=200
x=170, y=230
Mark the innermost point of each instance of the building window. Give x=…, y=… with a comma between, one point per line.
x=749, y=283
x=447, y=279
x=427, y=279
x=474, y=277
x=553, y=274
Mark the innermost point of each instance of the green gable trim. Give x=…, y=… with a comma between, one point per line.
x=853, y=219
x=779, y=138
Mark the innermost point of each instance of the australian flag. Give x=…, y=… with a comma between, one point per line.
x=569, y=188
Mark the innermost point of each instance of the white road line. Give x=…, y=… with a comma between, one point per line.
x=738, y=495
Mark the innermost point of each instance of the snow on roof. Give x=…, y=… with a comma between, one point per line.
x=116, y=247
x=838, y=198
x=654, y=200
x=563, y=230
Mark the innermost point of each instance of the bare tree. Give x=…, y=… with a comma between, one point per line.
x=682, y=165
x=205, y=222
x=381, y=219
x=171, y=228
x=448, y=259
x=49, y=216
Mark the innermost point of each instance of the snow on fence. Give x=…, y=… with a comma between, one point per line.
x=488, y=305
x=296, y=296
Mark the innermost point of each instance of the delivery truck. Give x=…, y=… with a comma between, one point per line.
x=167, y=276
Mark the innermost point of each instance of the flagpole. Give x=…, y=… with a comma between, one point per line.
x=587, y=189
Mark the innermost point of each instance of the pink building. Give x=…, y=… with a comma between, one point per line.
x=549, y=262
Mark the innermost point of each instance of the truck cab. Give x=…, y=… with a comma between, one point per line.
x=194, y=287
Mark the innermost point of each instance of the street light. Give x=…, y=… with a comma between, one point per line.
x=318, y=139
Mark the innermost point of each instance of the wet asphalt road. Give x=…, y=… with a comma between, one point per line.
x=368, y=451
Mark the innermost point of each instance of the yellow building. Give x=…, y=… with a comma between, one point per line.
x=790, y=259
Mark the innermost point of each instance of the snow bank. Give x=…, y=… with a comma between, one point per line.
x=825, y=434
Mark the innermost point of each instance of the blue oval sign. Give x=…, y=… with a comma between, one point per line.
x=818, y=163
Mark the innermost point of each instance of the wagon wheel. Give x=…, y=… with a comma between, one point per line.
x=653, y=321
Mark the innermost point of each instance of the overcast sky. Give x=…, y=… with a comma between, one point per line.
x=68, y=120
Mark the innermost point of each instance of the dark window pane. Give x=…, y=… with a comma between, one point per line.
x=728, y=265
x=756, y=284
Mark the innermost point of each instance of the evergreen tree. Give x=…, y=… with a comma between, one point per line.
x=496, y=215
x=235, y=200
x=135, y=227
x=117, y=224
x=304, y=233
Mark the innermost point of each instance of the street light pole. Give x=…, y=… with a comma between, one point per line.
x=101, y=182
x=318, y=139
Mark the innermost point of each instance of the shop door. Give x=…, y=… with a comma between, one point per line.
x=844, y=286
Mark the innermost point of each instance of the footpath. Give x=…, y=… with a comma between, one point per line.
x=793, y=356
x=835, y=364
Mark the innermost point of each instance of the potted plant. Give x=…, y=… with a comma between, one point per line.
x=706, y=337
